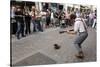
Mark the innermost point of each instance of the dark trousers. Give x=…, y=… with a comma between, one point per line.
x=13, y=25
x=57, y=22
x=47, y=21
x=68, y=22
x=27, y=23
x=90, y=22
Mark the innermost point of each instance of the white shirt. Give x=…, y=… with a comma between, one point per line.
x=12, y=13
x=67, y=15
x=77, y=14
x=78, y=25
x=43, y=13
x=91, y=15
x=52, y=15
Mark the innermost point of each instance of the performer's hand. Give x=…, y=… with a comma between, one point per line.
x=68, y=31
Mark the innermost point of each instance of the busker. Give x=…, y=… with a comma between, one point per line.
x=80, y=29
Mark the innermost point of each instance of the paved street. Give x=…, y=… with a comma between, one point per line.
x=37, y=48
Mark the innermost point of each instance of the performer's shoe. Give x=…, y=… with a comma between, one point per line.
x=80, y=55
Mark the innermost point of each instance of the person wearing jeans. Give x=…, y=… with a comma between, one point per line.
x=39, y=24
x=20, y=29
x=20, y=22
x=34, y=25
x=80, y=29
x=33, y=14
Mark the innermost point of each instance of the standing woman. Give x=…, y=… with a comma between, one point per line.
x=33, y=17
x=43, y=19
x=27, y=21
x=80, y=29
x=38, y=21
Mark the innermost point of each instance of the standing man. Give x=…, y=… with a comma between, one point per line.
x=20, y=22
x=52, y=18
x=13, y=21
x=56, y=20
x=67, y=18
x=47, y=18
x=80, y=29
x=91, y=18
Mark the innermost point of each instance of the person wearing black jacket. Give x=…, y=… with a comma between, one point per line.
x=20, y=22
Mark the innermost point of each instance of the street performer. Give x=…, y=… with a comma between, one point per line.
x=80, y=29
